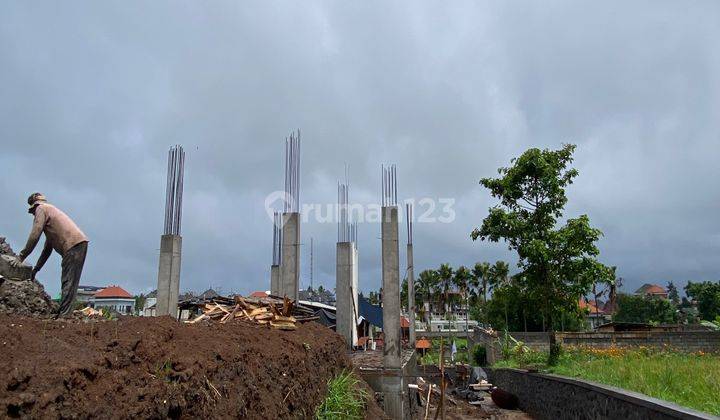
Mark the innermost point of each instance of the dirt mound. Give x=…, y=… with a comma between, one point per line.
x=19, y=294
x=25, y=297
x=157, y=368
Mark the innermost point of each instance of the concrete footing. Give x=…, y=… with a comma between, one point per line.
x=392, y=359
x=168, y=288
x=346, y=291
x=290, y=267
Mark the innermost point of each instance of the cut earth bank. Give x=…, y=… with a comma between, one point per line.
x=138, y=367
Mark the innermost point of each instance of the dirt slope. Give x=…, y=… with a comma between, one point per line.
x=157, y=368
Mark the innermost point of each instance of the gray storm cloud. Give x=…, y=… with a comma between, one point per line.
x=92, y=94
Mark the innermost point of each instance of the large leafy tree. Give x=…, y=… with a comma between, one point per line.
x=707, y=296
x=558, y=262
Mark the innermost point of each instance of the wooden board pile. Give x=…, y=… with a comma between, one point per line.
x=282, y=314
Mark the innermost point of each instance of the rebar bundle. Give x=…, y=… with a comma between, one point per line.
x=292, y=173
x=389, y=185
x=174, y=190
x=277, y=238
x=347, y=230
x=409, y=222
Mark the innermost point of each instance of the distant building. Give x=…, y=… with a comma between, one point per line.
x=150, y=304
x=86, y=295
x=648, y=289
x=116, y=299
x=596, y=313
x=259, y=294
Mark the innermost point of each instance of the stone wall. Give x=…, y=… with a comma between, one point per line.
x=555, y=397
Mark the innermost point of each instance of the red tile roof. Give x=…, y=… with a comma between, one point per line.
x=113, y=292
x=258, y=294
x=590, y=306
x=404, y=322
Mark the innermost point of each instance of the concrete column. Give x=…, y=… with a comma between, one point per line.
x=346, y=284
x=411, y=294
x=392, y=355
x=168, y=288
x=290, y=267
x=274, y=279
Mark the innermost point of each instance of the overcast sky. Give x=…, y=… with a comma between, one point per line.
x=92, y=95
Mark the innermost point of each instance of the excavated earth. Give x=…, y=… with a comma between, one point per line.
x=153, y=368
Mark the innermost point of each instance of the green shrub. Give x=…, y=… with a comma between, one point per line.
x=345, y=399
x=480, y=355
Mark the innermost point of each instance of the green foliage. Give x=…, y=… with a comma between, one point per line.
x=707, y=295
x=512, y=308
x=480, y=355
x=558, y=264
x=140, y=302
x=432, y=356
x=645, y=309
x=673, y=294
x=345, y=399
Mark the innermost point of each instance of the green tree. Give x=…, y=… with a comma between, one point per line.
x=673, y=294
x=425, y=286
x=481, y=271
x=444, y=282
x=707, y=296
x=644, y=309
x=140, y=302
x=498, y=274
x=462, y=280
x=558, y=264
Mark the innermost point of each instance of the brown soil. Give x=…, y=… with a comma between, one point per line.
x=158, y=368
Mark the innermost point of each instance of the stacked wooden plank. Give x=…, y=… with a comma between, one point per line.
x=483, y=385
x=282, y=314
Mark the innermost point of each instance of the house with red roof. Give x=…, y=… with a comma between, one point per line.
x=115, y=299
x=595, y=313
x=653, y=290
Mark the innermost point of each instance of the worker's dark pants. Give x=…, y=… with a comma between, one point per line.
x=72, y=265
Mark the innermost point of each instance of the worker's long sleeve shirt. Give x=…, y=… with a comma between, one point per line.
x=60, y=231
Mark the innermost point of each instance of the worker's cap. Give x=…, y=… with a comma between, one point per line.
x=35, y=199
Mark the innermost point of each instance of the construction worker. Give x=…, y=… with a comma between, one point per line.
x=62, y=235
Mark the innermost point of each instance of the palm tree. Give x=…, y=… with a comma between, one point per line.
x=498, y=274
x=425, y=286
x=482, y=272
x=462, y=280
x=445, y=277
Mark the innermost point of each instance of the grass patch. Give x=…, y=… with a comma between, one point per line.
x=688, y=379
x=432, y=356
x=345, y=399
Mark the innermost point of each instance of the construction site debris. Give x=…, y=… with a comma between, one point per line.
x=282, y=314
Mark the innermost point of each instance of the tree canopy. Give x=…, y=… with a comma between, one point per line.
x=558, y=262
